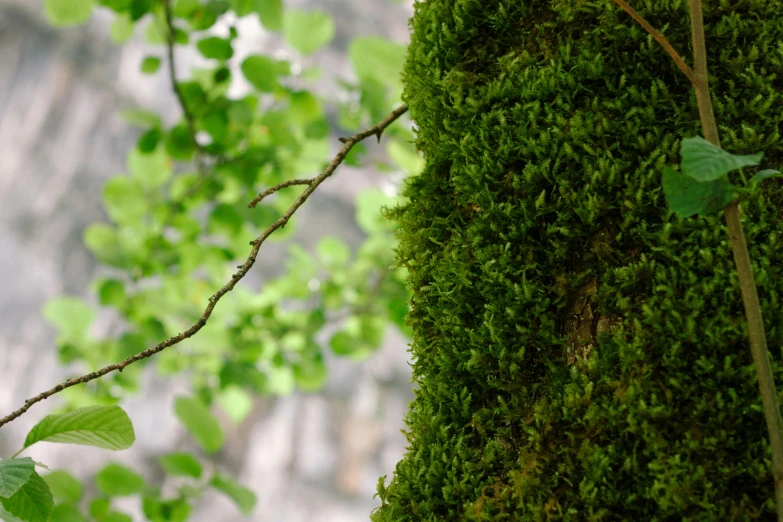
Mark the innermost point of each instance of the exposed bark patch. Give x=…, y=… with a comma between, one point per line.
x=584, y=324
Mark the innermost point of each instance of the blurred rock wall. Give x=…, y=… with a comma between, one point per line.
x=309, y=457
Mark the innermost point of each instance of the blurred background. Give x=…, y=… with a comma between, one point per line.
x=308, y=456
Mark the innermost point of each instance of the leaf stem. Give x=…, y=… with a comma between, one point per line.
x=661, y=39
x=17, y=453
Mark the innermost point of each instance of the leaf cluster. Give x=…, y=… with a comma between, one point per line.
x=177, y=222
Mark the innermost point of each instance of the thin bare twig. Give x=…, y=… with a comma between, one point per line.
x=190, y=120
x=270, y=191
x=243, y=269
x=661, y=39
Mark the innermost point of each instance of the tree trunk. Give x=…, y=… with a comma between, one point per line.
x=580, y=352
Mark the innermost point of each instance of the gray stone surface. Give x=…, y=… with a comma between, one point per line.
x=309, y=457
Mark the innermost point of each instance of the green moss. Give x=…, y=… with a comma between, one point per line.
x=579, y=351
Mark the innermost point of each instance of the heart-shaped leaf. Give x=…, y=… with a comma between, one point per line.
x=33, y=502
x=14, y=473
x=105, y=427
x=703, y=161
x=687, y=197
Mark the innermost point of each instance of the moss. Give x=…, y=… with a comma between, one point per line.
x=579, y=351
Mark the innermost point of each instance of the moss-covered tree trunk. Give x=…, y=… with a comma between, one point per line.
x=581, y=353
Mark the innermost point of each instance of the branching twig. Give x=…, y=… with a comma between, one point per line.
x=243, y=269
x=270, y=191
x=661, y=39
x=186, y=112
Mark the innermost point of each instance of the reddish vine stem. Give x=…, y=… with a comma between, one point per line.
x=758, y=339
x=243, y=270
x=661, y=39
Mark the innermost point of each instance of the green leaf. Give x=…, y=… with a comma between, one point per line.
x=179, y=144
x=105, y=427
x=764, y=174
x=200, y=422
x=64, y=486
x=62, y=13
x=343, y=343
x=215, y=48
x=117, y=6
x=181, y=464
x=263, y=72
x=226, y=219
x=270, y=12
x=66, y=513
x=141, y=118
x=372, y=329
x=148, y=141
x=116, y=481
x=405, y=156
x=157, y=510
x=152, y=169
x=125, y=200
x=99, y=507
x=184, y=8
x=244, y=498
x=33, y=502
x=216, y=124
x=242, y=7
x=304, y=107
x=5, y=516
x=703, y=161
x=307, y=31
x=121, y=28
x=333, y=251
x=377, y=59
x=115, y=516
x=139, y=8
x=150, y=65
x=242, y=375
x=236, y=402
x=311, y=373
x=69, y=314
x=369, y=215
x=155, y=31
x=102, y=240
x=112, y=293
x=14, y=473
x=687, y=197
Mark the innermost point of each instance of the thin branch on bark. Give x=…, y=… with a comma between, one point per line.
x=243, y=269
x=661, y=39
x=270, y=191
x=750, y=299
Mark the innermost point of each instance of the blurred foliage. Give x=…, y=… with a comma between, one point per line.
x=178, y=226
